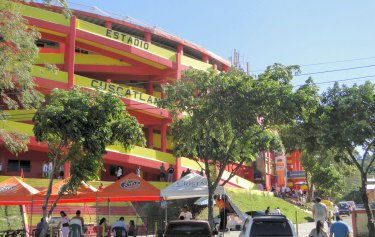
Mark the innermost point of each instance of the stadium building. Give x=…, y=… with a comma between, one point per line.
x=95, y=51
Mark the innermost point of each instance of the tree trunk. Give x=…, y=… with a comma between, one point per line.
x=370, y=216
x=210, y=207
x=44, y=231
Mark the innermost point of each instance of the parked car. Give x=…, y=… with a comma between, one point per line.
x=270, y=225
x=344, y=208
x=233, y=222
x=191, y=228
x=352, y=205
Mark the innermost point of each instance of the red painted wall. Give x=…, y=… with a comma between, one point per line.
x=36, y=159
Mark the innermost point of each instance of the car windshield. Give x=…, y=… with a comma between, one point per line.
x=344, y=205
x=271, y=228
x=188, y=228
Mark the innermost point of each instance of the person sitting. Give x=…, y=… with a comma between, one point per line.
x=131, y=228
x=119, y=228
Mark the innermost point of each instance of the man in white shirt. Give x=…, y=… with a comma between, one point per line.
x=185, y=214
x=119, y=172
x=319, y=211
x=277, y=211
x=45, y=170
x=120, y=223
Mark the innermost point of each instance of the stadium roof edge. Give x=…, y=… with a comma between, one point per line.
x=165, y=38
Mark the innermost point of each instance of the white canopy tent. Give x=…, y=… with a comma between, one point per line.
x=195, y=186
x=190, y=186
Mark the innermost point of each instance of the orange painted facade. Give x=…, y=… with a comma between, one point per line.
x=94, y=51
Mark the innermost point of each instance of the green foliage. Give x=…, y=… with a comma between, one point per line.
x=17, y=54
x=348, y=123
x=221, y=113
x=78, y=125
x=255, y=200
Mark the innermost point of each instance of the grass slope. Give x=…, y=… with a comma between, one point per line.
x=10, y=218
x=254, y=200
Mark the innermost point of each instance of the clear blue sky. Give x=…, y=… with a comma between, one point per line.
x=267, y=31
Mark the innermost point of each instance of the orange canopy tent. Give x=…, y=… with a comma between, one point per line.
x=14, y=191
x=85, y=193
x=129, y=188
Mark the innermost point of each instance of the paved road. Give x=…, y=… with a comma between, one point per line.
x=304, y=229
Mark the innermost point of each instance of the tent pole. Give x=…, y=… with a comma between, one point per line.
x=31, y=215
x=109, y=209
x=96, y=212
x=166, y=213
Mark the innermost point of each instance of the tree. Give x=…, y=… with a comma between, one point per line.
x=348, y=125
x=77, y=126
x=228, y=118
x=18, y=51
x=304, y=134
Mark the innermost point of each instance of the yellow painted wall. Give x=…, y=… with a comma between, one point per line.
x=19, y=115
x=85, y=59
x=45, y=15
x=157, y=141
x=43, y=72
x=190, y=62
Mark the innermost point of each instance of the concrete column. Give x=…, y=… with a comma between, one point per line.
x=66, y=170
x=180, y=52
x=178, y=168
x=150, y=88
x=147, y=37
x=150, y=137
x=70, y=52
x=224, y=67
x=205, y=58
x=163, y=137
x=108, y=24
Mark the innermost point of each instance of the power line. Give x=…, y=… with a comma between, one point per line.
x=327, y=62
x=335, y=70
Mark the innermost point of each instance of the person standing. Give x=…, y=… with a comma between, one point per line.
x=64, y=224
x=162, y=173
x=103, y=229
x=119, y=228
x=318, y=231
x=138, y=171
x=337, y=212
x=277, y=211
x=319, y=211
x=77, y=219
x=170, y=173
x=185, y=213
x=45, y=170
x=118, y=172
x=340, y=228
x=220, y=203
x=50, y=170
x=267, y=211
x=131, y=228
